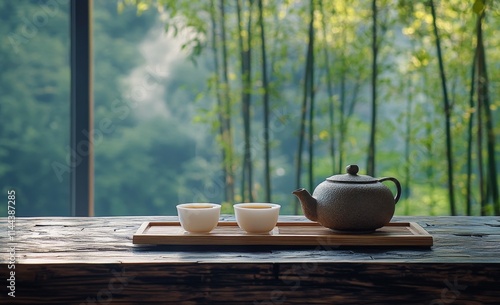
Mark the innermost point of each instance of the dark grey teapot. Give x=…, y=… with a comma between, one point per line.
x=350, y=202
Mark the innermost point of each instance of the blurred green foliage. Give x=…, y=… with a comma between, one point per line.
x=156, y=141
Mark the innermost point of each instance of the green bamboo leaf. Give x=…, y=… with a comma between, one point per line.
x=478, y=6
x=120, y=6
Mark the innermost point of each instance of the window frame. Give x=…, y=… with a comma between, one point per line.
x=81, y=110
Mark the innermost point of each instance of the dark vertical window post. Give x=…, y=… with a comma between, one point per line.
x=82, y=173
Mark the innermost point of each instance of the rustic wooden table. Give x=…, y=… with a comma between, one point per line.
x=93, y=261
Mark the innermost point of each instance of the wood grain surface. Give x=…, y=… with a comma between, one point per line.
x=93, y=261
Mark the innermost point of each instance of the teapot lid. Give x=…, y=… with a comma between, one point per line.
x=352, y=176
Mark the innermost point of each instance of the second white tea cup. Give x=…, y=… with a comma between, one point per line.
x=257, y=217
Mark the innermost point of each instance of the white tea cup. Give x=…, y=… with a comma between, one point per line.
x=198, y=217
x=256, y=217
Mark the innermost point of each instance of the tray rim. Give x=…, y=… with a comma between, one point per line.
x=419, y=238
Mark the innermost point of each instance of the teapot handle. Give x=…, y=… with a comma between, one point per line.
x=398, y=187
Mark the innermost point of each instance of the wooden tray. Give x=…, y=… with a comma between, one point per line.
x=284, y=234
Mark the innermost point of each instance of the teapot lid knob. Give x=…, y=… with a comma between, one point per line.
x=352, y=176
x=352, y=169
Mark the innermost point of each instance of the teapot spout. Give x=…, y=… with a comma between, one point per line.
x=308, y=202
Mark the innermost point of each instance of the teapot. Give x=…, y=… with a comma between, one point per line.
x=350, y=202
